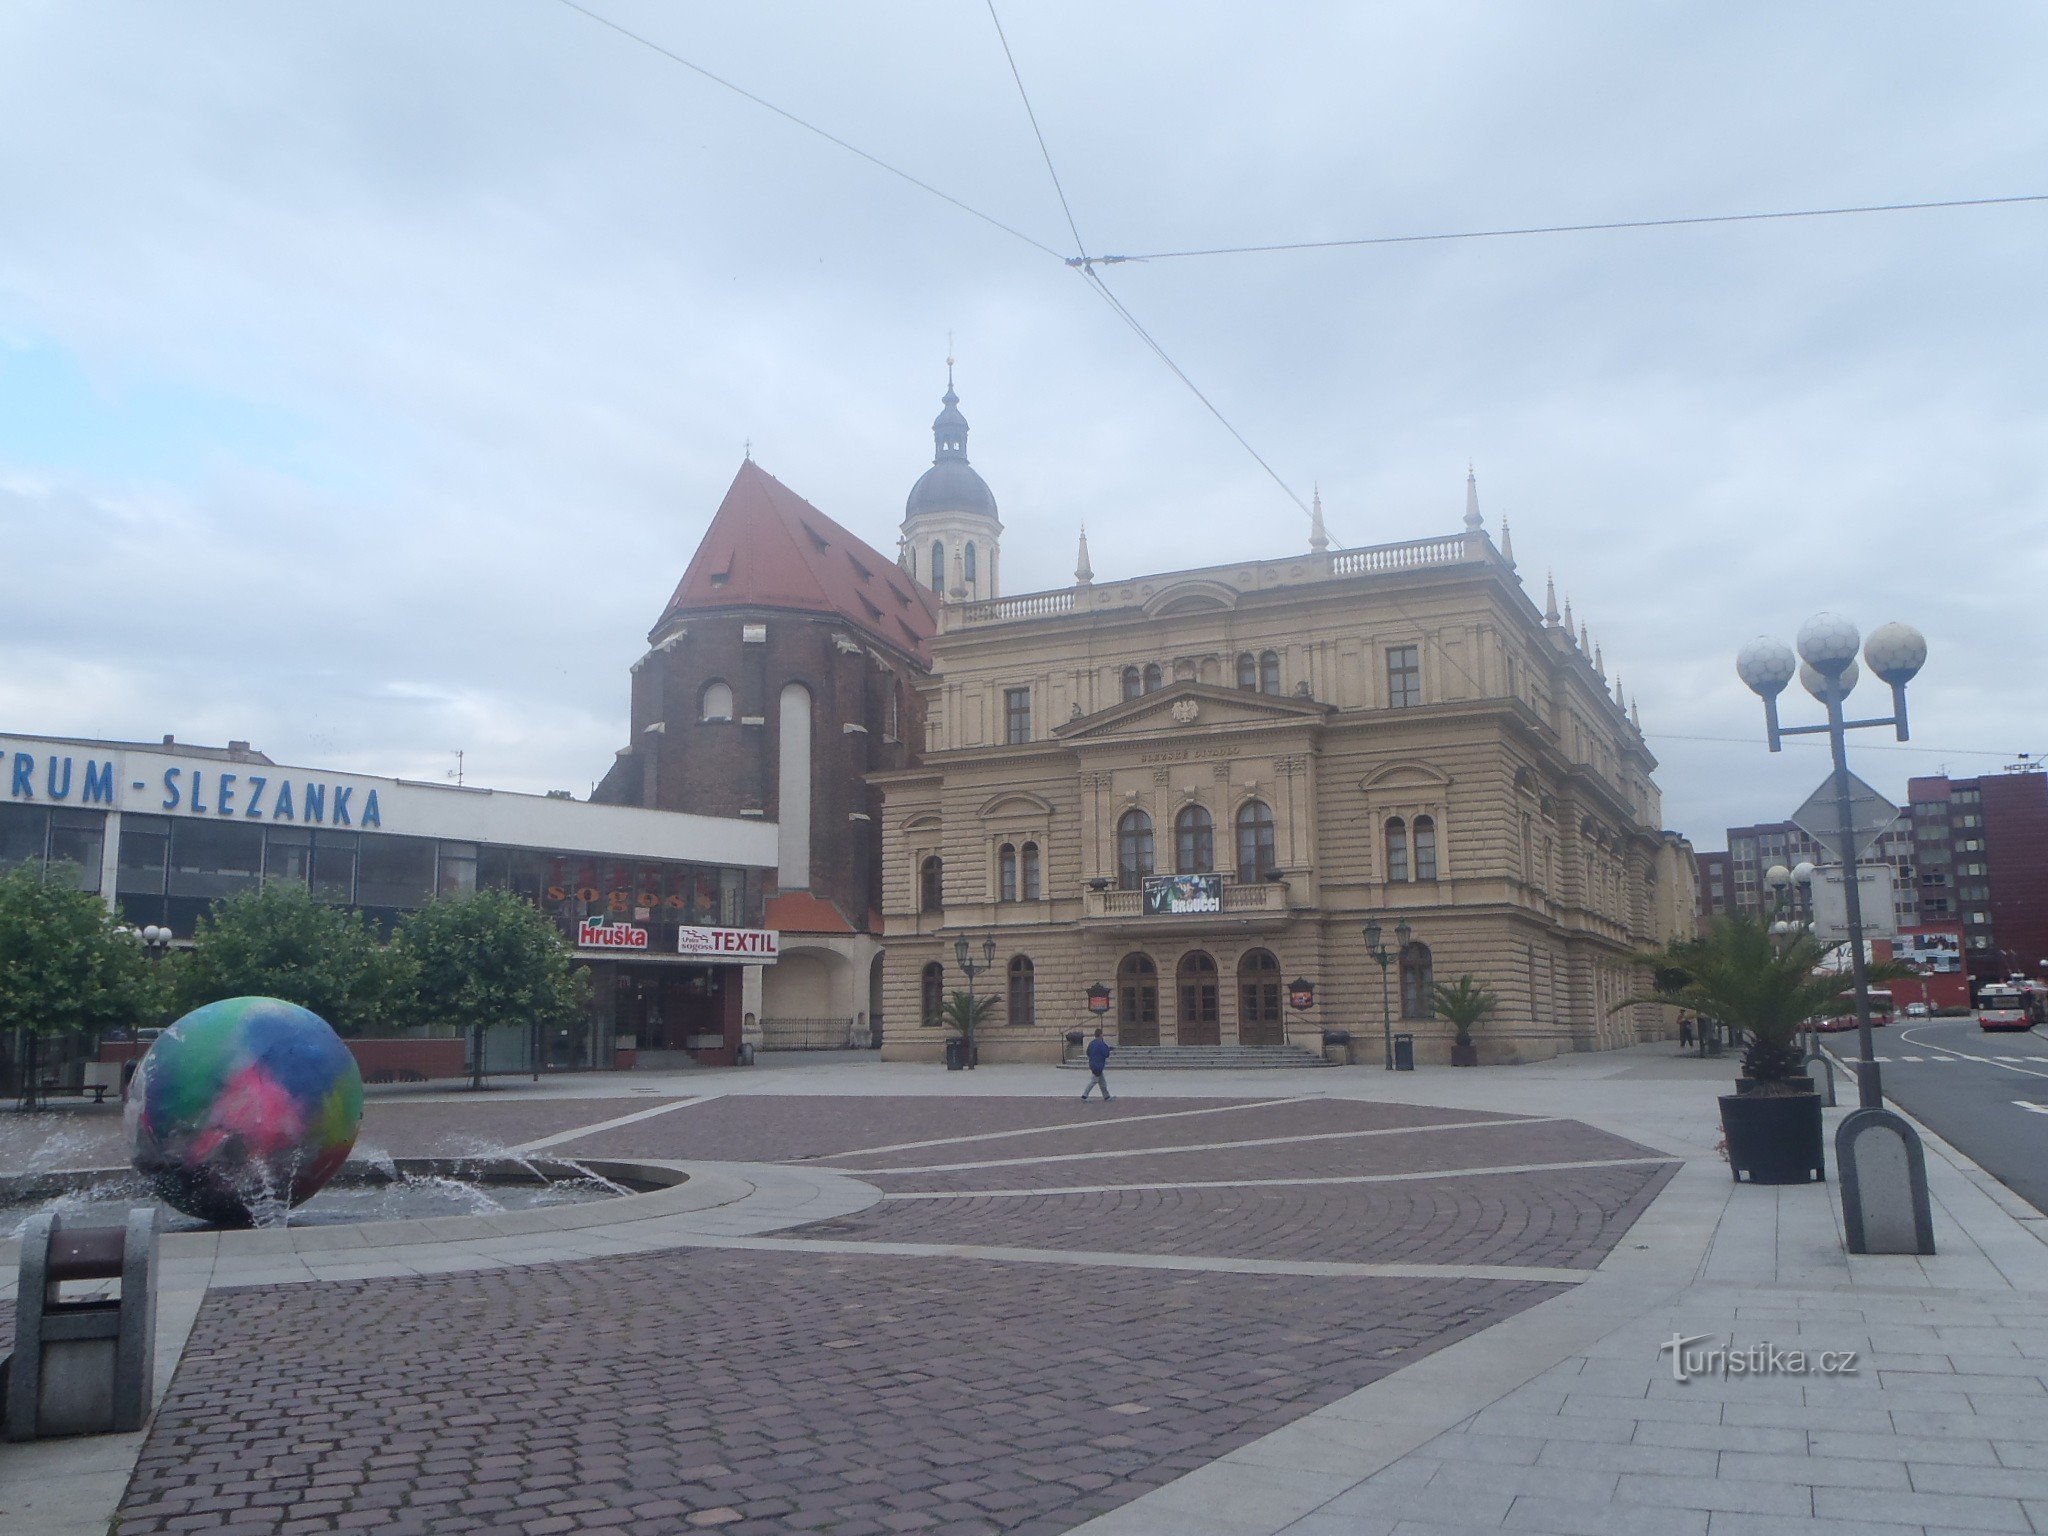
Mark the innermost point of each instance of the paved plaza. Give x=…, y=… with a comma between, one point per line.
x=892, y=1299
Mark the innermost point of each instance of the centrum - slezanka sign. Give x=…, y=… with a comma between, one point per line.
x=41, y=773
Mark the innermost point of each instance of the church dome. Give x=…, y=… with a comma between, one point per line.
x=951, y=484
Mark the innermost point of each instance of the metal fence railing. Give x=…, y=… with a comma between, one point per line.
x=826, y=1034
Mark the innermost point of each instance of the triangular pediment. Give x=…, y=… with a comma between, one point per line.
x=1181, y=707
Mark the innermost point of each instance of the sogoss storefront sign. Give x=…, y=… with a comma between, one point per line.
x=163, y=784
x=729, y=946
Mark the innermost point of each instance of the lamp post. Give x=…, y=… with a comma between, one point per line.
x=1385, y=957
x=963, y=954
x=1895, y=654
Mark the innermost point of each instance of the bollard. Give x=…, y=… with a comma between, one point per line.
x=82, y=1367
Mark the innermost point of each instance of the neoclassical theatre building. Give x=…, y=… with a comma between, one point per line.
x=1196, y=788
x=1190, y=789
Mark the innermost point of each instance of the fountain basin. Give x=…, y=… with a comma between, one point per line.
x=400, y=1200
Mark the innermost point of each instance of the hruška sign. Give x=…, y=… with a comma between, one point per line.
x=596, y=933
x=729, y=946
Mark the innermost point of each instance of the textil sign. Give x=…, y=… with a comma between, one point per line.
x=730, y=946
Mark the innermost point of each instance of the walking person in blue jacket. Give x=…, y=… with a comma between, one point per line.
x=1098, y=1058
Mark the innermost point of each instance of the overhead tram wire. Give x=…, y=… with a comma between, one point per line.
x=1561, y=229
x=1085, y=266
x=810, y=127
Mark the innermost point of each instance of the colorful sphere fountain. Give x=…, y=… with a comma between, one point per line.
x=243, y=1109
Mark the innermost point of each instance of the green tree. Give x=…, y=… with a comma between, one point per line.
x=966, y=1014
x=65, y=967
x=1466, y=1004
x=282, y=942
x=490, y=958
x=1749, y=979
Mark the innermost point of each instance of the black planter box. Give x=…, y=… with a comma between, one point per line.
x=1774, y=1138
x=1755, y=1084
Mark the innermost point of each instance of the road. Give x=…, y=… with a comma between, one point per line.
x=1986, y=1094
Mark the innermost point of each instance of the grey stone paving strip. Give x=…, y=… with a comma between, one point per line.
x=1050, y=1130
x=578, y=1132
x=1197, y=1146
x=1342, y=1178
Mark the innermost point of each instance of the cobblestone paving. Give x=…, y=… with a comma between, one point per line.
x=1420, y=1152
x=751, y=1394
x=1566, y=1219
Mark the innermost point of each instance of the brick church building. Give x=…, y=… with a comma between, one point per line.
x=786, y=669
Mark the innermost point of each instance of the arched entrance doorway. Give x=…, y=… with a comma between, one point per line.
x=1200, y=1021
x=1259, y=1020
x=1137, y=1001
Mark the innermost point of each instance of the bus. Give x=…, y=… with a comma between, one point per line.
x=2004, y=1005
x=1880, y=1013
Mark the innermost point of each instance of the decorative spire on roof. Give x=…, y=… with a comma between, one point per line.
x=1472, y=518
x=1599, y=662
x=1585, y=644
x=1619, y=702
x=1635, y=719
x=1318, y=535
x=1507, y=544
x=1568, y=626
x=1084, y=573
x=1549, y=600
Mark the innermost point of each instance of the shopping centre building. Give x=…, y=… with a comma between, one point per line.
x=663, y=908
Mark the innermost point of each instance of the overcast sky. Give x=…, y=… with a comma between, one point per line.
x=368, y=372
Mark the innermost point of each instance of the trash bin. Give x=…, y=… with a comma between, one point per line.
x=956, y=1054
x=746, y=1053
x=1404, y=1053
x=82, y=1366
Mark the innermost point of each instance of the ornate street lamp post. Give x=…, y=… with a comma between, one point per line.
x=1385, y=957
x=1879, y=1217
x=963, y=955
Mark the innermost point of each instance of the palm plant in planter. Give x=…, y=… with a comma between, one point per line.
x=1464, y=1005
x=965, y=1014
x=1739, y=973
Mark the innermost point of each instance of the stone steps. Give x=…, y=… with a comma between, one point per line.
x=1214, y=1058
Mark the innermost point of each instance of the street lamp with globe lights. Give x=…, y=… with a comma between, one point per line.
x=963, y=955
x=1825, y=664
x=1386, y=957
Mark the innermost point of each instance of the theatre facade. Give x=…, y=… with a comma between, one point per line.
x=1192, y=791
x=663, y=908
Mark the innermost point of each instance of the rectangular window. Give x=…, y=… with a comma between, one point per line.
x=1016, y=715
x=395, y=872
x=145, y=840
x=457, y=875
x=24, y=829
x=334, y=866
x=76, y=840
x=214, y=858
x=1404, y=676
x=287, y=856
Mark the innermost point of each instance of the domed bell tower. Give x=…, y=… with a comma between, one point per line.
x=951, y=540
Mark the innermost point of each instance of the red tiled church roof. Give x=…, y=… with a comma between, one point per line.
x=768, y=547
x=801, y=912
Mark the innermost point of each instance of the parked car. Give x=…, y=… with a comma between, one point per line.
x=1916, y=1010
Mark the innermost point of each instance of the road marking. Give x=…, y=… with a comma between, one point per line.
x=1049, y=1130
x=1209, y=1146
x=1911, y=1058
x=603, y=1125
x=1989, y=1061
x=2039, y=1109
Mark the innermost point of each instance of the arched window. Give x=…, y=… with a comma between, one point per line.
x=1397, y=848
x=938, y=566
x=1133, y=850
x=1269, y=672
x=931, y=994
x=1425, y=848
x=1200, y=1021
x=1248, y=672
x=1134, y=683
x=1153, y=677
x=1254, y=840
x=1006, y=872
x=1418, y=983
x=1023, y=998
x=895, y=728
x=1033, y=886
x=1137, y=1001
x=970, y=565
x=931, y=885
x=1259, y=1020
x=1194, y=841
x=793, y=782
x=715, y=703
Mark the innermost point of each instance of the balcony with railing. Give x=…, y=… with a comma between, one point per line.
x=1262, y=904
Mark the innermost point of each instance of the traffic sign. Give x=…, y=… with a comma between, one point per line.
x=1869, y=815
